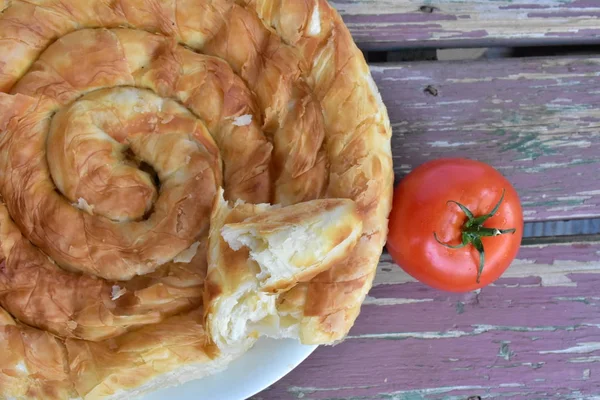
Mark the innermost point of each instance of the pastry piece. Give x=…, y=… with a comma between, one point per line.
x=236, y=312
x=257, y=251
x=281, y=109
x=293, y=244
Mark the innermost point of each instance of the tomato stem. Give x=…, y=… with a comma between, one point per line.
x=473, y=230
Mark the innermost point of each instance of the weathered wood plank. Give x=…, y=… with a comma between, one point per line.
x=536, y=120
x=534, y=334
x=389, y=24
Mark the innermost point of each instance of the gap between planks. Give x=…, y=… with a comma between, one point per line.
x=550, y=264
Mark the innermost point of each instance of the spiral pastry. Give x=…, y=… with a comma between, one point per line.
x=120, y=122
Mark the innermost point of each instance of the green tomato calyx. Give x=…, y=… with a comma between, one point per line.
x=473, y=230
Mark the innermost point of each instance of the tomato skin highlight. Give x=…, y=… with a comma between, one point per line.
x=421, y=208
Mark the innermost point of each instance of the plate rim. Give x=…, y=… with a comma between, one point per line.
x=271, y=366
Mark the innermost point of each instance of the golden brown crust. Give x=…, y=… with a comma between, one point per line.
x=40, y=294
x=293, y=115
x=103, y=369
x=150, y=65
x=33, y=363
x=358, y=142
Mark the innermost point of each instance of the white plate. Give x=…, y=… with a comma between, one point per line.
x=264, y=364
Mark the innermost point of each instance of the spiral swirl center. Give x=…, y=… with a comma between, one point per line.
x=88, y=143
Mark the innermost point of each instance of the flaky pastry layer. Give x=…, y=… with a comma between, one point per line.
x=269, y=99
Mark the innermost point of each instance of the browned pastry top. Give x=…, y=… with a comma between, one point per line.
x=119, y=122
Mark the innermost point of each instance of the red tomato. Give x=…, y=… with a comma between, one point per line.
x=427, y=217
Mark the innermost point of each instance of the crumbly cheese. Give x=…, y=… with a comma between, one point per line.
x=243, y=120
x=314, y=27
x=117, y=292
x=21, y=367
x=84, y=205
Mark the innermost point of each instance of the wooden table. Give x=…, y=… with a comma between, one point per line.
x=535, y=333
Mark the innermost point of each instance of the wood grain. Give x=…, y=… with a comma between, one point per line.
x=536, y=120
x=534, y=334
x=390, y=24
